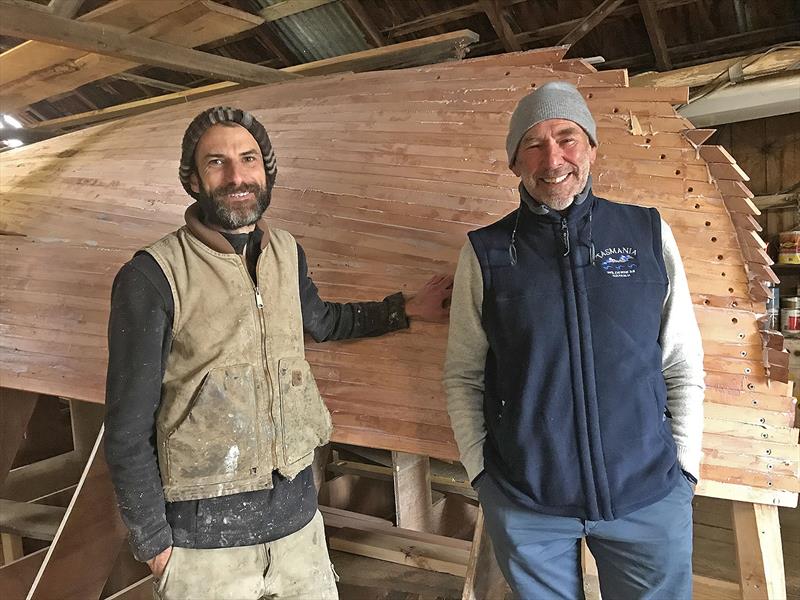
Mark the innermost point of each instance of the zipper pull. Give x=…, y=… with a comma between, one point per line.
x=259, y=299
x=565, y=236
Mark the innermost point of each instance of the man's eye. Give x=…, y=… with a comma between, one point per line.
x=249, y=158
x=215, y=162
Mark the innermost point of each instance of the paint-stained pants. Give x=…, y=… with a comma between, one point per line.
x=295, y=567
x=646, y=555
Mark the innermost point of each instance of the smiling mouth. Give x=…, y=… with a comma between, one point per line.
x=239, y=195
x=555, y=180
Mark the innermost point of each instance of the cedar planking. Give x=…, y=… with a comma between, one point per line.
x=381, y=175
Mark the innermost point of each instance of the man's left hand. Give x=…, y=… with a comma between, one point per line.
x=432, y=302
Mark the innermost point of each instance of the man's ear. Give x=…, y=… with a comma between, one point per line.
x=515, y=169
x=194, y=182
x=592, y=155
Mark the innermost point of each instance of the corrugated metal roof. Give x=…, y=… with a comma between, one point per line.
x=321, y=32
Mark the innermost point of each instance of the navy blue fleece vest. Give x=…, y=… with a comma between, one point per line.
x=575, y=398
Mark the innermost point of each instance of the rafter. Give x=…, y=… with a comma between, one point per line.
x=591, y=21
x=156, y=83
x=288, y=8
x=362, y=18
x=31, y=24
x=656, y=34
x=65, y=8
x=497, y=16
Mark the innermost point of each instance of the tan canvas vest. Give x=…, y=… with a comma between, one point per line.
x=238, y=398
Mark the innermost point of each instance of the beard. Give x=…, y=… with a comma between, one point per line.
x=558, y=197
x=218, y=210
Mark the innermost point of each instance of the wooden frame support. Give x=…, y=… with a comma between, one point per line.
x=86, y=545
x=412, y=491
x=484, y=580
x=16, y=408
x=759, y=551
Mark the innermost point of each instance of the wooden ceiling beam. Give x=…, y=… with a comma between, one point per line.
x=549, y=32
x=31, y=24
x=656, y=34
x=356, y=10
x=288, y=8
x=434, y=20
x=155, y=83
x=591, y=21
x=497, y=17
x=687, y=54
x=65, y=8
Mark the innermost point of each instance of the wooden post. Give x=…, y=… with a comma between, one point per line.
x=412, y=490
x=759, y=551
x=484, y=581
x=86, y=419
x=591, y=579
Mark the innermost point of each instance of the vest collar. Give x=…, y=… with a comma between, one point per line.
x=212, y=238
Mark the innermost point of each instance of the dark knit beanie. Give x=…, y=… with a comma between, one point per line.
x=224, y=114
x=554, y=100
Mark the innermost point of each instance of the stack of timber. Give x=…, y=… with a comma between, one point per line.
x=380, y=177
x=34, y=70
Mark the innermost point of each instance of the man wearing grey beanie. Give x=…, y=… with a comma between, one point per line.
x=574, y=373
x=212, y=412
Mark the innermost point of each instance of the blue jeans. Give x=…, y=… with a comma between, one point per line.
x=645, y=555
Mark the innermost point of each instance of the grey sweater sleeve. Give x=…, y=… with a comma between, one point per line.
x=682, y=359
x=464, y=365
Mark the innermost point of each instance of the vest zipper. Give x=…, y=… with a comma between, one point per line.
x=262, y=323
x=565, y=236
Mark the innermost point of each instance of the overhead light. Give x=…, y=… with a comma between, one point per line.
x=12, y=121
x=13, y=143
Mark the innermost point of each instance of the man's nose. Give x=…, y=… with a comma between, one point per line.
x=234, y=173
x=553, y=157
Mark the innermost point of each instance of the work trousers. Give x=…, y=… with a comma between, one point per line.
x=645, y=555
x=295, y=567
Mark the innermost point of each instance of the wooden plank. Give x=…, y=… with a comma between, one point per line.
x=44, y=477
x=91, y=533
x=412, y=490
x=16, y=577
x=759, y=65
x=16, y=409
x=591, y=21
x=30, y=24
x=288, y=8
x=758, y=551
x=655, y=32
x=425, y=551
x=25, y=519
x=411, y=52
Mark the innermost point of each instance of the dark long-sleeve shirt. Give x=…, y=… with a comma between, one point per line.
x=139, y=342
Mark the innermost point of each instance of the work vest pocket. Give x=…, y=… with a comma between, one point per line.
x=306, y=420
x=216, y=441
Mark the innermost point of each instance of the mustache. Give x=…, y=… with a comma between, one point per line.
x=224, y=190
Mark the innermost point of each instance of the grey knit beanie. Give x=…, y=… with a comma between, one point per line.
x=554, y=100
x=223, y=114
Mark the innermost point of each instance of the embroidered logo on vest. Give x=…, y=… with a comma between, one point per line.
x=618, y=262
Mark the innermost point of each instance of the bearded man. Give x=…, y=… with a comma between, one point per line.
x=574, y=373
x=212, y=413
